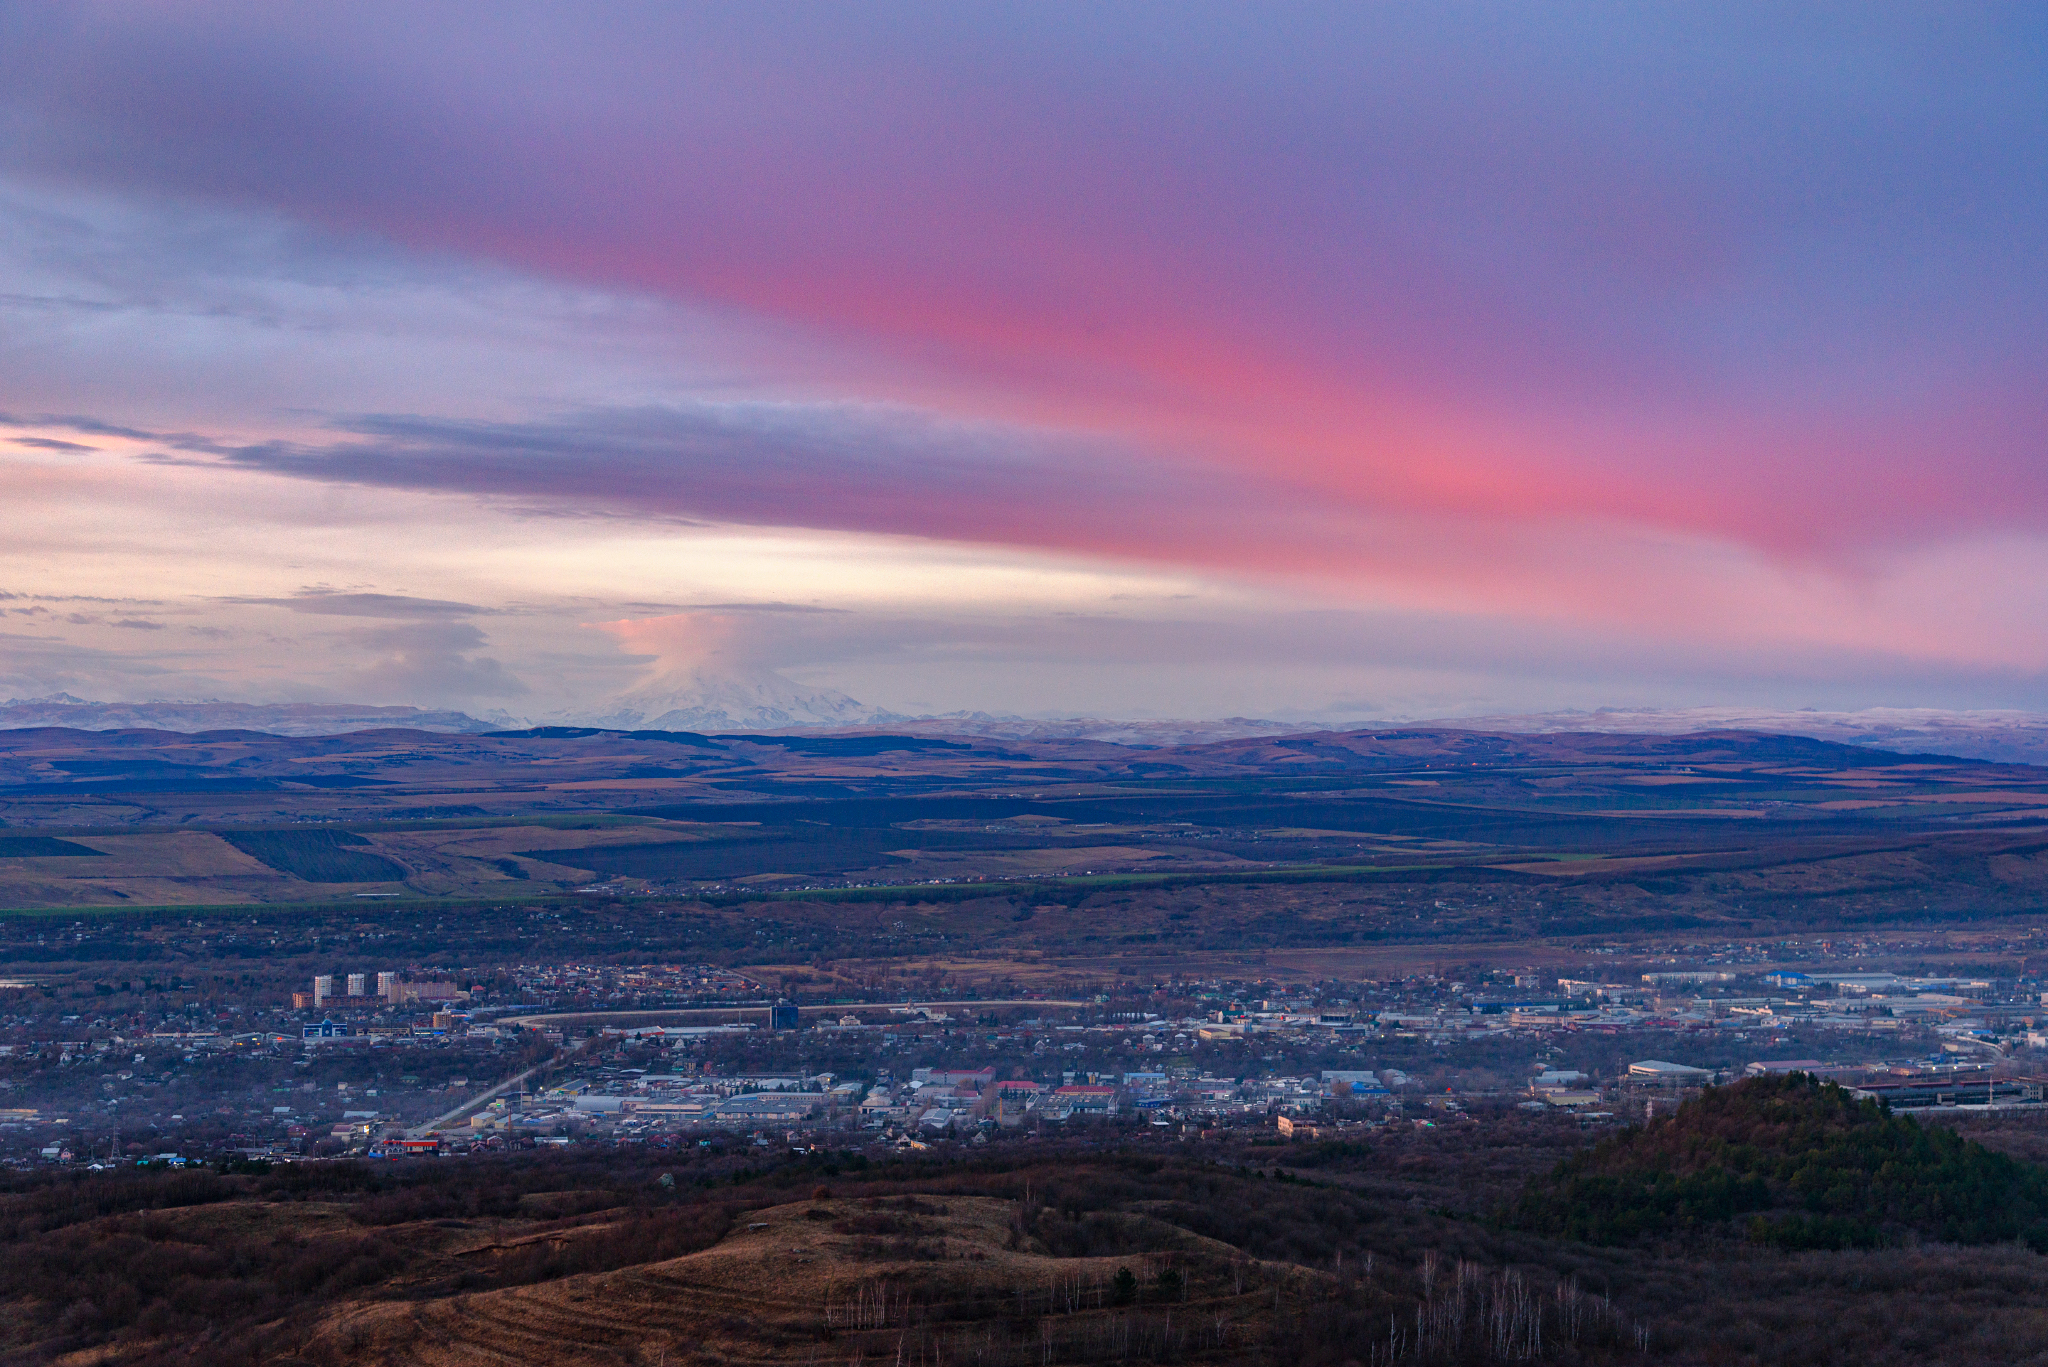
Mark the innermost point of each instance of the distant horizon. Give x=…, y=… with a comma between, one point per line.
x=2002, y=735
x=1280, y=717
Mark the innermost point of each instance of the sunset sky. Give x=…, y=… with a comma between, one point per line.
x=1119, y=359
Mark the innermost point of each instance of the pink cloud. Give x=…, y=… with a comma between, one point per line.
x=1335, y=295
x=687, y=640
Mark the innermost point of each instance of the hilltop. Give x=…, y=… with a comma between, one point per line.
x=1795, y=1163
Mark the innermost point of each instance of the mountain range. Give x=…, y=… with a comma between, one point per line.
x=278, y=719
x=2002, y=736
x=763, y=701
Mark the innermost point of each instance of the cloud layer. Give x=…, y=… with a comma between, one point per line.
x=1713, y=330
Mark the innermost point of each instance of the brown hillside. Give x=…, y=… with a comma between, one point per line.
x=947, y=1277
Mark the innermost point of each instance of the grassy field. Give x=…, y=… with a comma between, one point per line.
x=43, y=847
x=317, y=856
x=1441, y=833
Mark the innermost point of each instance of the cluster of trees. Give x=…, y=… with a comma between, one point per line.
x=1795, y=1163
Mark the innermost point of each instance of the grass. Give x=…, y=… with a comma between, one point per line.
x=898, y=892
x=317, y=856
x=813, y=850
x=969, y=891
x=41, y=847
x=185, y=911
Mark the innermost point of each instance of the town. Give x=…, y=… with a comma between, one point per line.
x=386, y=1062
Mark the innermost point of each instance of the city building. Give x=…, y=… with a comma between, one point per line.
x=1352, y=1082
x=1013, y=1099
x=427, y=992
x=1762, y=1068
x=977, y=1078
x=1082, y=1098
x=780, y=1108
x=412, y=1147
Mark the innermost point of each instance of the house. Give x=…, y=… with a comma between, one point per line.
x=413, y=1147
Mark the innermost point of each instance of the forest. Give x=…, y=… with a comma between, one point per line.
x=1415, y=1246
x=1806, y=1164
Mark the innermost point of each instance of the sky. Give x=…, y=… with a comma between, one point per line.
x=1191, y=360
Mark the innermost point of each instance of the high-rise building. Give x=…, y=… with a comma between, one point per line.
x=323, y=988
x=355, y=984
x=387, y=986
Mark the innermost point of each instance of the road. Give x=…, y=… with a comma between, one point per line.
x=481, y=1100
x=714, y=1012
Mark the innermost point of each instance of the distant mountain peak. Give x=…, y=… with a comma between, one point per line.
x=1142, y=732
x=709, y=700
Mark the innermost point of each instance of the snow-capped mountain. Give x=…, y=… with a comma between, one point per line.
x=749, y=700
x=278, y=719
x=1149, y=732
